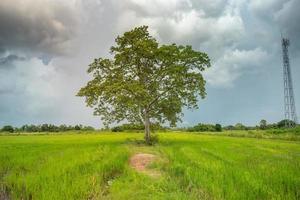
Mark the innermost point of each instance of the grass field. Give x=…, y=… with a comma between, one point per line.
x=191, y=166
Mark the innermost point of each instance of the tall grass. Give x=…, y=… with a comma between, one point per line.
x=192, y=166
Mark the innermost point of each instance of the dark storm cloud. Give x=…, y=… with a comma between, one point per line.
x=277, y=17
x=8, y=60
x=35, y=27
x=288, y=18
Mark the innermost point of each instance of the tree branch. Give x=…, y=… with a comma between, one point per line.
x=141, y=114
x=157, y=98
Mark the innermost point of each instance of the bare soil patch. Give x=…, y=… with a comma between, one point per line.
x=141, y=161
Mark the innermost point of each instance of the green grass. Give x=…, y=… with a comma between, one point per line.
x=192, y=166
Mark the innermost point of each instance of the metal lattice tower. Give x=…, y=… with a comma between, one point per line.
x=289, y=100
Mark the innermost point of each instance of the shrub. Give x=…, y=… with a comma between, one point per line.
x=153, y=139
x=295, y=131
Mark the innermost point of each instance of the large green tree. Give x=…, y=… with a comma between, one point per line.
x=145, y=82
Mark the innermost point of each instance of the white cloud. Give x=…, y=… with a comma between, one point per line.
x=181, y=22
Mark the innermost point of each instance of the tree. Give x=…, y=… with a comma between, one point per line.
x=218, y=127
x=229, y=127
x=78, y=127
x=239, y=126
x=7, y=128
x=202, y=127
x=145, y=82
x=285, y=122
x=263, y=124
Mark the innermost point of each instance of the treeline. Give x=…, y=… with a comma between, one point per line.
x=46, y=128
x=263, y=125
x=205, y=127
x=200, y=127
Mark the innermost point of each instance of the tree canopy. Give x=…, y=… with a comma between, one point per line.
x=144, y=81
x=263, y=124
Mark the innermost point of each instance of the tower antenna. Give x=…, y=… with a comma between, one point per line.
x=289, y=100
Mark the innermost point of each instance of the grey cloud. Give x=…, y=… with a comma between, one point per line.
x=288, y=18
x=157, y=8
x=276, y=17
x=235, y=63
x=35, y=27
x=8, y=60
x=190, y=22
x=4, y=91
x=211, y=8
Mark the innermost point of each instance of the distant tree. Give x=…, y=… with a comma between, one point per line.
x=63, y=127
x=78, y=127
x=52, y=128
x=229, y=127
x=218, y=127
x=44, y=127
x=283, y=123
x=240, y=126
x=272, y=126
x=263, y=124
x=145, y=82
x=24, y=128
x=88, y=128
x=30, y=128
x=202, y=127
x=117, y=129
x=7, y=128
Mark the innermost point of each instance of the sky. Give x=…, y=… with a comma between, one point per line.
x=47, y=45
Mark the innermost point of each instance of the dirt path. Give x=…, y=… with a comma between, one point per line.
x=141, y=161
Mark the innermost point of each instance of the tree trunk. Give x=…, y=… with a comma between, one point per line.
x=147, y=127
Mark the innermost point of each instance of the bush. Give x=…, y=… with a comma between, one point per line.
x=295, y=131
x=8, y=128
x=153, y=139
